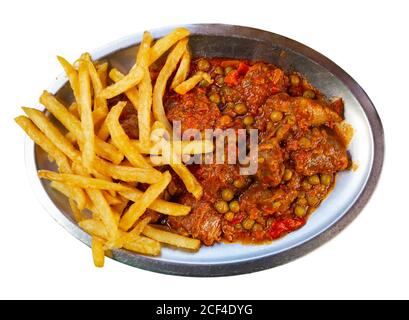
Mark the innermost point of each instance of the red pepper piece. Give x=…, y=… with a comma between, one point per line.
x=232, y=78
x=283, y=226
x=243, y=68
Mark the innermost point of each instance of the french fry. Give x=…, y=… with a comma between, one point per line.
x=161, y=82
x=148, y=197
x=76, y=212
x=87, y=123
x=143, y=245
x=132, y=93
x=134, y=76
x=80, y=181
x=159, y=205
x=122, y=141
x=72, y=75
x=103, y=132
x=68, y=191
x=71, y=138
x=73, y=108
x=192, y=185
x=145, y=90
x=140, y=226
x=94, y=228
x=186, y=147
x=102, y=70
x=96, y=150
x=79, y=169
x=125, y=173
x=183, y=70
x=55, y=135
x=104, y=212
x=40, y=139
x=98, y=253
x=98, y=116
x=164, y=44
x=112, y=200
x=171, y=238
x=99, y=102
x=73, y=125
x=190, y=83
x=62, y=162
x=190, y=181
x=133, y=243
x=117, y=217
x=119, y=208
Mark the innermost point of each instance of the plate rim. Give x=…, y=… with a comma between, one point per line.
x=250, y=265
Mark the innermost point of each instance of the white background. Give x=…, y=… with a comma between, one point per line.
x=370, y=259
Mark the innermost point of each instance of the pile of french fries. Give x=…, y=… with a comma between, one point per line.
x=99, y=166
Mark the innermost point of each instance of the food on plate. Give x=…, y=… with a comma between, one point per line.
x=132, y=183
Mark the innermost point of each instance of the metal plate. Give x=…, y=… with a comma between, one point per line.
x=351, y=193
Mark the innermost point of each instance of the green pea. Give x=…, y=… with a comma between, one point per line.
x=276, y=204
x=306, y=185
x=219, y=70
x=247, y=121
x=299, y=211
x=229, y=106
x=227, y=194
x=234, y=206
x=288, y=174
x=314, y=180
x=240, y=108
x=227, y=91
x=294, y=80
x=309, y=94
x=313, y=201
x=326, y=179
x=276, y=116
x=215, y=98
x=290, y=119
x=227, y=70
x=220, y=81
x=302, y=201
x=221, y=206
x=248, y=223
x=239, y=183
x=203, y=65
x=229, y=216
